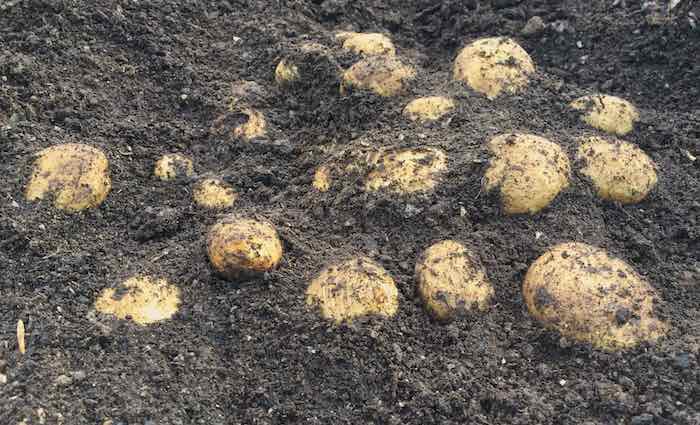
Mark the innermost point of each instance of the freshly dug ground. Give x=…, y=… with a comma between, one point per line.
x=140, y=79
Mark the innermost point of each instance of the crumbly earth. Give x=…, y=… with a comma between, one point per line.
x=141, y=79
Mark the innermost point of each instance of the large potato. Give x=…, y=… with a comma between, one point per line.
x=173, y=166
x=407, y=170
x=142, y=299
x=241, y=246
x=75, y=175
x=429, y=108
x=367, y=43
x=383, y=75
x=589, y=296
x=214, y=194
x=529, y=171
x=452, y=281
x=608, y=113
x=354, y=288
x=494, y=65
x=619, y=170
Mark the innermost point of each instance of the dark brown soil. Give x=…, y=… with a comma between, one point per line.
x=143, y=78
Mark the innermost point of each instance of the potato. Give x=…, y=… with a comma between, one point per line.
x=142, y=299
x=173, y=166
x=254, y=127
x=214, y=194
x=239, y=246
x=322, y=179
x=589, y=296
x=452, y=281
x=407, y=171
x=309, y=65
x=608, y=113
x=75, y=175
x=286, y=72
x=494, y=65
x=429, y=108
x=619, y=170
x=529, y=171
x=367, y=43
x=354, y=288
x=383, y=75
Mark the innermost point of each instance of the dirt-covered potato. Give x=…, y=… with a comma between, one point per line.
x=76, y=176
x=142, y=299
x=242, y=246
x=494, y=65
x=620, y=171
x=529, y=171
x=286, y=72
x=589, y=296
x=355, y=288
x=452, y=281
x=214, y=194
x=608, y=113
x=429, y=108
x=383, y=75
x=173, y=166
x=322, y=179
x=367, y=43
x=407, y=170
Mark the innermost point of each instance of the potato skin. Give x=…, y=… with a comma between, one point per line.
x=172, y=166
x=529, y=171
x=452, y=281
x=368, y=43
x=494, y=65
x=608, y=113
x=76, y=175
x=384, y=75
x=239, y=246
x=146, y=300
x=354, y=288
x=213, y=194
x=407, y=171
x=591, y=297
x=620, y=171
x=286, y=73
x=426, y=109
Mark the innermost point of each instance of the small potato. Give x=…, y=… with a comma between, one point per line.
x=452, y=281
x=608, y=113
x=142, y=299
x=383, y=75
x=322, y=179
x=427, y=109
x=173, y=166
x=75, y=175
x=254, y=127
x=239, y=246
x=214, y=194
x=286, y=73
x=407, y=171
x=530, y=171
x=619, y=170
x=494, y=65
x=589, y=296
x=354, y=288
x=367, y=43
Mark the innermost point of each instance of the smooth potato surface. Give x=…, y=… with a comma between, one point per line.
x=142, y=299
x=608, y=113
x=429, y=108
x=368, y=43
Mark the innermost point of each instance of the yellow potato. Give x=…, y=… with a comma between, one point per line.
x=75, y=175
x=286, y=72
x=253, y=128
x=430, y=108
x=173, y=166
x=142, y=299
x=214, y=194
x=354, y=288
x=407, y=171
x=589, y=296
x=619, y=170
x=608, y=113
x=451, y=281
x=240, y=245
x=494, y=65
x=529, y=171
x=322, y=179
x=383, y=75
x=368, y=43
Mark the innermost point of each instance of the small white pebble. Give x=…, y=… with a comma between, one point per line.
x=562, y=382
x=579, y=44
x=248, y=338
x=503, y=361
x=462, y=211
x=3, y=378
x=538, y=235
x=183, y=96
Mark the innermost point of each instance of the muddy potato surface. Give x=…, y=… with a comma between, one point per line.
x=173, y=166
x=76, y=176
x=587, y=295
x=429, y=108
x=608, y=113
x=354, y=288
x=407, y=170
x=529, y=171
x=493, y=66
x=214, y=194
x=383, y=75
x=241, y=245
x=452, y=281
x=367, y=43
x=142, y=299
x=619, y=171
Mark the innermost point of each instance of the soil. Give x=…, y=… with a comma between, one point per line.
x=139, y=79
